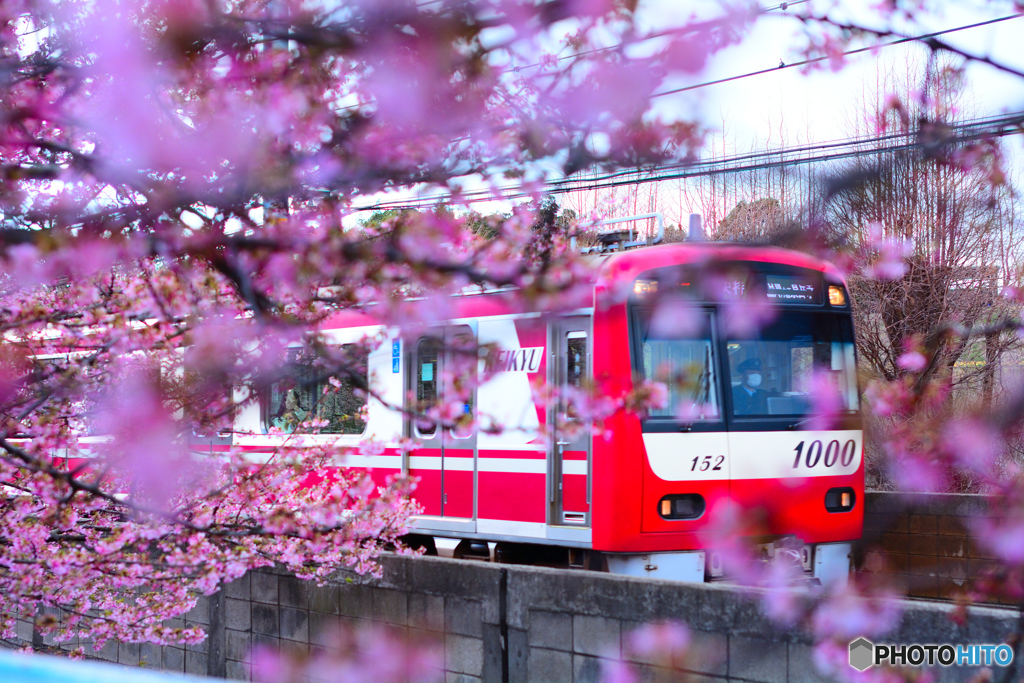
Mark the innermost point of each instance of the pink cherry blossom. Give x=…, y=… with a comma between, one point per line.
x=975, y=443
x=676, y=317
x=891, y=253
x=660, y=640
x=368, y=654
x=888, y=398
x=912, y=361
x=180, y=184
x=853, y=610
x=826, y=401
x=1004, y=537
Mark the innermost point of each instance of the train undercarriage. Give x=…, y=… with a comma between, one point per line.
x=825, y=564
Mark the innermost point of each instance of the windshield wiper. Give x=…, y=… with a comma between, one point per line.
x=703, y=388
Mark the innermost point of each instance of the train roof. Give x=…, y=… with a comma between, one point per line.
x=615, y=267
x=610, y=270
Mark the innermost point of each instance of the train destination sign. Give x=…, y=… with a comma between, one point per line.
x=784, y=288
x=793, y=288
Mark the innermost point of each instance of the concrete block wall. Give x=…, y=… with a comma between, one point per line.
x=927, y=548
x=203, y=659
x=511, y=623
x=274, y=610
x=514, y=623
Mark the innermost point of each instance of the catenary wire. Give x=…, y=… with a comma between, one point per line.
x=859, y=147
x=640, y=39
x=650, y=36
x=766, y=71
x=859, y=50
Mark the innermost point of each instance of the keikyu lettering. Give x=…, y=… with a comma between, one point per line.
x=517, y=360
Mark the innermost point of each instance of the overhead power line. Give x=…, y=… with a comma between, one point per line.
x=639, y=39
x=967, y=131
x=651, y=36
x=554, y=185
x=995, y=126
x=836, y=155
x=855, y=51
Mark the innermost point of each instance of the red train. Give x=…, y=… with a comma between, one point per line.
x=736, y=427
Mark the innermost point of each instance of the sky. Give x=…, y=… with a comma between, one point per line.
x=789, y=107
x=820, y=105
x=794, y=106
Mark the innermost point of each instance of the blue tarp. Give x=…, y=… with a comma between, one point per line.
x=33, y=668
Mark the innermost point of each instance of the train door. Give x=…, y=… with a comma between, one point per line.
x=570, y=452
x=460, y=363
x=443, y=364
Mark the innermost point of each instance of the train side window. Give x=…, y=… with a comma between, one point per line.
x=684, y=359
x=44, y=376
x=461, y=361
x=576, y=358
x=575, y=364
x=426, y=382
x=307, y=393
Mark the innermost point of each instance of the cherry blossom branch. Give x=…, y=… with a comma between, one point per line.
x=931, y=41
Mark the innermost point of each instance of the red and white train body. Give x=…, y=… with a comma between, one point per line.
x=642, y=493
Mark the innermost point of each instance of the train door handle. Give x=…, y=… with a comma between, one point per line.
x=561, y=447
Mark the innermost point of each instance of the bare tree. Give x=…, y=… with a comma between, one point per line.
x=760, y=220
x=961, y=234
x=728, y=198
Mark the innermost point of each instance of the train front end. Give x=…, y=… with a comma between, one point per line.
x=761, y=435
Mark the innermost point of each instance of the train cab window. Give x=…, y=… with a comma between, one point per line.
x=799, y=359
x=683, y=357
x=427, y=369
x=307, y=393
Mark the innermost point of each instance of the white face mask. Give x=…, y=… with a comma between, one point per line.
x=754, y=380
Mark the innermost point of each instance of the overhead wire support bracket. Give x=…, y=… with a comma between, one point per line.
x=620, y=240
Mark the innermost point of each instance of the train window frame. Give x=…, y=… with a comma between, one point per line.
x=445, y=339
x=87, y=421
x=473, y=366
x=568, y=412
x=768, y=423
x=670, y=423
x=265, y=399
x=416, y=369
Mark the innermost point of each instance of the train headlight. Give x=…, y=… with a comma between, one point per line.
x=840, y=499
x=643, y=288
x=836, y=295
x=681, y=506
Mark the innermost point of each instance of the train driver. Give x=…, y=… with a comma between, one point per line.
x=747, y=397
